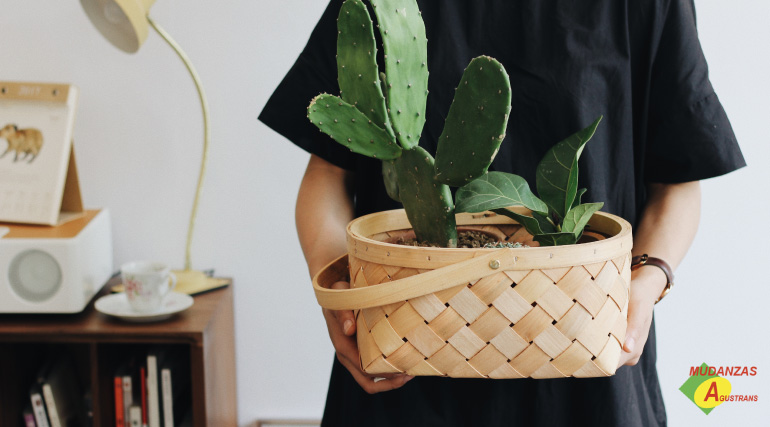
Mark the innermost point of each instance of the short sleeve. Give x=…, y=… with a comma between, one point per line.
x=689, y=134
x=314, y=72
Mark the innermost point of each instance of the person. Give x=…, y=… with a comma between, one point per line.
x=640, y=64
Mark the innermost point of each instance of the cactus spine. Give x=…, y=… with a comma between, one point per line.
x=383, y=115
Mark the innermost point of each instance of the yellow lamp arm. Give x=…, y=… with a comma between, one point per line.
x=204, y=106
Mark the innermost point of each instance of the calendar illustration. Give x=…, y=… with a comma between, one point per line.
x=38, y=178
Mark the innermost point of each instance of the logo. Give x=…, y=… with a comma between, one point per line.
x=707, y=388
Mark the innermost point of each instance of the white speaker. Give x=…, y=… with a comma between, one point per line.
x=54, y=269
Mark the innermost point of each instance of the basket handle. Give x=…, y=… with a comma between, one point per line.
x=446, y=277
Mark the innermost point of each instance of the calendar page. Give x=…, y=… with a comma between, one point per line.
x=36, y=122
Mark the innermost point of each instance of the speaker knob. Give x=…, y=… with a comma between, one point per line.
x=34, y=275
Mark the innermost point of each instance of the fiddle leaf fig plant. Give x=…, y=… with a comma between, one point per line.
x=382, y=114
x=558, y=217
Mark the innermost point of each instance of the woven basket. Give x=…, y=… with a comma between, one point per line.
x=534, y=312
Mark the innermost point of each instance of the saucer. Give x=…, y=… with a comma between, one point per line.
x=117, y=305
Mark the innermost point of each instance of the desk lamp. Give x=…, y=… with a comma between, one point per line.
x=125, y=23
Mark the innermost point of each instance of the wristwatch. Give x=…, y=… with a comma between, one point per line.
x=642, y=260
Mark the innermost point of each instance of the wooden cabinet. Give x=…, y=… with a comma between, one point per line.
x=99, y=343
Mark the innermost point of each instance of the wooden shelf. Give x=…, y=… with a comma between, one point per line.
x=205, y=332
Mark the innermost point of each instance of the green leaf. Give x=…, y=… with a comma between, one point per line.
x=556, y=239
x=497, y=190
x=578, y=217
x=545, y=224
x=530, y=223
x=579, y=197
x=557, y=173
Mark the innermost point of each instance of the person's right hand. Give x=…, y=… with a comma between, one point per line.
x=342, y=330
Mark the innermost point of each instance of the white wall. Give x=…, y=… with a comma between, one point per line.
x=138, y=139
x=716, y=312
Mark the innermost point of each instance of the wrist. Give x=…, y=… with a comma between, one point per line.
x=645, y=260
x=651, y=281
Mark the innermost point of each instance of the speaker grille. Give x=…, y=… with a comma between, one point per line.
x=35, y=275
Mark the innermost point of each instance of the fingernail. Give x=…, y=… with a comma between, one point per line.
x=630, y=345
x=347, y=325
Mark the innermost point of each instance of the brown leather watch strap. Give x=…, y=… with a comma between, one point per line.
x=642, y=260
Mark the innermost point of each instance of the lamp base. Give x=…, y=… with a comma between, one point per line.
x=193, y=282
x=190, y=282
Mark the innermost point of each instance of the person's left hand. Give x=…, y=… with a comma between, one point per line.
x=646, y=287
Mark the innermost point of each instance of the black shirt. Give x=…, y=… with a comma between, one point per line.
x=638, y=63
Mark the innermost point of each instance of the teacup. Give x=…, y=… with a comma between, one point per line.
x=147, y=284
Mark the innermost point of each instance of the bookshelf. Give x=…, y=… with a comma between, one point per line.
x=98, y=343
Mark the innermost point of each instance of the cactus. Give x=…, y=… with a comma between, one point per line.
x=357, y=72
x=351, y=128
x=406, y=66
x=390, y=179
x=475, y=125
x=381, y=115
x=428, y=204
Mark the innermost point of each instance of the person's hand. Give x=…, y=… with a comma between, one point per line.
x=342, y=330
x=646, y=287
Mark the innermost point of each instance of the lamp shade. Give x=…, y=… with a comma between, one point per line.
x=122, y=22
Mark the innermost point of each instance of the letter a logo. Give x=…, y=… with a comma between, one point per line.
x=712, y=392
x=703, y=390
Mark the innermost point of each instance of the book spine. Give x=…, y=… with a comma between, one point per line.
x=128, y=396
x=50, y=403
x=168, y=406
x=38, y=408
x=143, y=381
x=153, y=409
x=119, y=413
x=135, y=416
x=29, y=419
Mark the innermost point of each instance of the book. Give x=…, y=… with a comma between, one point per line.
x=168, y=401
x=28, y=416
x=135, y=416
x=128, y=396
x=48, y=400
x=38, y=406
x=128, y=373
x=119, y=413
x=50, y=404
x=175, y=382
x=143, y=381
x=155, y=358
x=61, y=393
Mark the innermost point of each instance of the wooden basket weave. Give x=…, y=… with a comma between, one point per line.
x=535, y=312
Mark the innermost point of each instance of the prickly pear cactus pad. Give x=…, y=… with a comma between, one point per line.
x=357, y=72
x=351, y=128
x=406, y=66
x=428, y=204
x=390, y=178
x=475, y=125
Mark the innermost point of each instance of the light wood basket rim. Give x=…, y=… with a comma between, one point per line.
x=366, y=248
